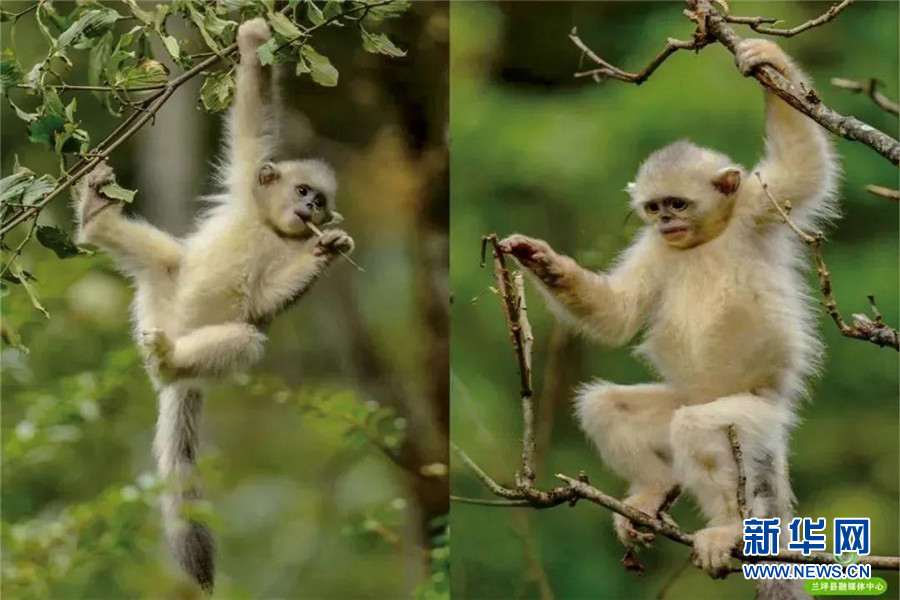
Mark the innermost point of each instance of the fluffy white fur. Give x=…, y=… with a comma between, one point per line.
x=728, y=323
x=201, y=302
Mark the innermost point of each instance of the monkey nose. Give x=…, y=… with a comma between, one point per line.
x=665, y=218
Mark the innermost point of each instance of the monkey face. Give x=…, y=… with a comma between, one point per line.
x=295, y=193
x=674, y=219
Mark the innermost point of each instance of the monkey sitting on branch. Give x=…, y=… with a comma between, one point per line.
x=717, y=283
x=202, y=302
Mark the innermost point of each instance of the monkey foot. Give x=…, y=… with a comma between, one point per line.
x=712, y=549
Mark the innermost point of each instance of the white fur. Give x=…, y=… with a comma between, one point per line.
x=729, y=325
x=201, y=302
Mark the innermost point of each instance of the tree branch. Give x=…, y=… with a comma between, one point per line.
x=579, y=488
x=713, y=26
x=863, y=328
x=870, y=88
x=738, y=454
x=884, y=192
x=756, y=23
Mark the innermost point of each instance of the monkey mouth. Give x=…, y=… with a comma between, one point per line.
x=672, y=231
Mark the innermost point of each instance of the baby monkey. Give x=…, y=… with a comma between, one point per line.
x=715, y=280
x=202, y=302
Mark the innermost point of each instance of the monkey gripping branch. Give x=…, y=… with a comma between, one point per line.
x=511, y=290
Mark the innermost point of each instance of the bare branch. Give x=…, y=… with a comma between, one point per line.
x=863, y=328
x=870, y=88
x=607, y=70
x=713, y=26
x=756, y=23
x=738, y=454
x=482, y=502
x=883, y=192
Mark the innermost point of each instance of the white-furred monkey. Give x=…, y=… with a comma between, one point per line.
x=201, y=302
x=716, y=280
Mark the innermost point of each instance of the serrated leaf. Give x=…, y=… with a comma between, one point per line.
x=13, y=186
x=283, y=26
x=321, y=69
x=217, y=91
x=378, y=43
x=385, y=11
x=266, y=52
x=37, y=189
x=10, y=74
x=90, y=24
x=146, y=72
x=332, y=9
x=144, y=16
x=57, y=240
x=200, y=23
x=116, y=192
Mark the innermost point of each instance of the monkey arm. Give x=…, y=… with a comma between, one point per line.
x=799, y=166
x=250, y=141
x=612, y=306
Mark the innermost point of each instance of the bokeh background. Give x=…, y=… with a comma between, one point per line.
x=537, y=151
x=303, y=497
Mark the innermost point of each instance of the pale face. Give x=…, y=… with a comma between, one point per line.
x=293, y=197
x=684, y=223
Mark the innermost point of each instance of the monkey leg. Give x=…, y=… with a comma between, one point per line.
x=629, y=424
x=136, y=246
x=206, y=351
x=705, y=464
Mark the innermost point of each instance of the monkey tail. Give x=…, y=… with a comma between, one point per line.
x=175, y=446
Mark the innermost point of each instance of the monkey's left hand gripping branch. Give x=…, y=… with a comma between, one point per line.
x=511, y=289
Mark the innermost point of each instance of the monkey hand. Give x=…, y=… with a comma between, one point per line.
x=538, y=257
x=251, y=35
x=159, y=350
x=91, y=199
x=332, y=242
x=712, y=549
x=626, y=530
x=751, y=53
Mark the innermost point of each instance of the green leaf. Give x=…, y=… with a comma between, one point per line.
x=116, y=192
x=43, y=129
x=147, y=72
x=314, y=13
x=172, y=47
x=97, y=61
x=385, y=11
x=92, y=23
x=144, y=16
x=321, y=69
x=283, y=26
x=25, y=116
x=10, y=74
x=37, y=189
x=57, y=240
x=13, y=186
x=378, y=43
x=159, y=19
x=200, y=23
x=302, y=67
x=217, y=91
x=24, y=279
x=266, y=52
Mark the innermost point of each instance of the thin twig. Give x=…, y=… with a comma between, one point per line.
x=757, y=23
x=873, y=331
x=607, y=70
x=884, y=192
x=870, y=87
x=483, y=502
x=319, y=233
x=738, y=454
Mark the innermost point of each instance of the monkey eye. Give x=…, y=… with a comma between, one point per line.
x=678, y=204
x=303, y=191
x=652, y=207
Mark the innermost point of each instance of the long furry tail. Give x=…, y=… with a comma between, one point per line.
x=175, y=447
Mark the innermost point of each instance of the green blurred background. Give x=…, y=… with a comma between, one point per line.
x=537, y=151
x=302, y=503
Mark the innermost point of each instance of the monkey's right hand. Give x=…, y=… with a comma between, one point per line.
x=332, y=242
x=91, y=199
x=538, y=257
x=251, y=35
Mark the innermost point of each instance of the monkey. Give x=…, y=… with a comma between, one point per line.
x=715, y=281
x=202, y=303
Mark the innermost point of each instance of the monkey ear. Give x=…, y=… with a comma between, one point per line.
x=336, y=218
x=727, y=181
x=268, y=173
